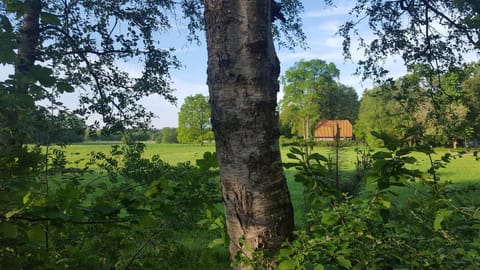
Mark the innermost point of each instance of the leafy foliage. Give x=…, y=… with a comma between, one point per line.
x=434, y=229
x=169, y=135
x=129, y=217
x=79, y=45
x=444, y=112
x=433, y=33
x=312, y=93
x=194, y=120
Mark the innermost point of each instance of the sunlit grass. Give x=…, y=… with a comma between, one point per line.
x=462, y=171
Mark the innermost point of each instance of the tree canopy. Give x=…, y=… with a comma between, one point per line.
x=312, y=92
x=440, y=118
x=194, y=120
x=433, y=33
x=80, y=46
x=426, y=32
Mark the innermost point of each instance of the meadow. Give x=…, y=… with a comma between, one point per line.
x=462, y=170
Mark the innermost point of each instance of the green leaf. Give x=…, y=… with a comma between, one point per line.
x=318, y=267
x=8, y=230
x=329, y=219
x=297, y=151
x=153, y=190
x=5, y=24
x=147, y=221
x=36, y=235
x=43, y=75
x=317, y=157
x=404, y=151
x=10, y=214
x=48, y=18
x=26, y=198
x=424, y=149
x=64, y=87
x=284, y=252
x=440, y=217
x=289, y=165
x=8, y=44
x=215, y=243
x=389, y=141
x=409, y=160
x=292, y=156
x=209, y=160
x=382, y=155
x=385, y=203
x=15, y=6
x=286, y=265
x=344, y=262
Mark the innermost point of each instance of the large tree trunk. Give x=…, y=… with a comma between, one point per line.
x=20, y=102
x=243, y=74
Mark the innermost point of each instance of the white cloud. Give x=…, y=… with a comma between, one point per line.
x=334, y=42
x=329, y=26
x=296, y=56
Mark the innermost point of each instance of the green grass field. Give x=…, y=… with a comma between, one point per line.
x=461, y=170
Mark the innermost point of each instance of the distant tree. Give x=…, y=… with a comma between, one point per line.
x=107, y=134
x=311, y=92
x=307, y=85
x=471, y=99
x=169, y=135
x=157, y=137
x=140, y=135
x=194, y=120
x=62, y=128
x=91, y=135
x=347, y=103
x=440, y=117
x=379, y=114
x=285, y=130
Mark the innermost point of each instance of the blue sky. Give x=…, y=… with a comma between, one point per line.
x=320, y=25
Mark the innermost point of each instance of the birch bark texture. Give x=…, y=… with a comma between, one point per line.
x=11, y=138
x=243, y=71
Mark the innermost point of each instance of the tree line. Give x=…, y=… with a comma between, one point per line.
x=312, y=92
x=444, y=112
x=443, y=109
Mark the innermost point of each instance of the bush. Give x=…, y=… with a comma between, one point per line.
x=434, y=229
x=128, y=213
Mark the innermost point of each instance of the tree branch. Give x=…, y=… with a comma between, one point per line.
x=458, y=26
x=89, y=65
x=157, y=231
x=85, y=222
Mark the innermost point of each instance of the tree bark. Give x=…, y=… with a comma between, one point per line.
x=27, y=41
x=243, y=74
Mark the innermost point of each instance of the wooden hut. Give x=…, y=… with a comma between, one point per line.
x=325, y=130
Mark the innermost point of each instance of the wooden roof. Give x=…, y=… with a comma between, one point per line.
x=328, y=129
